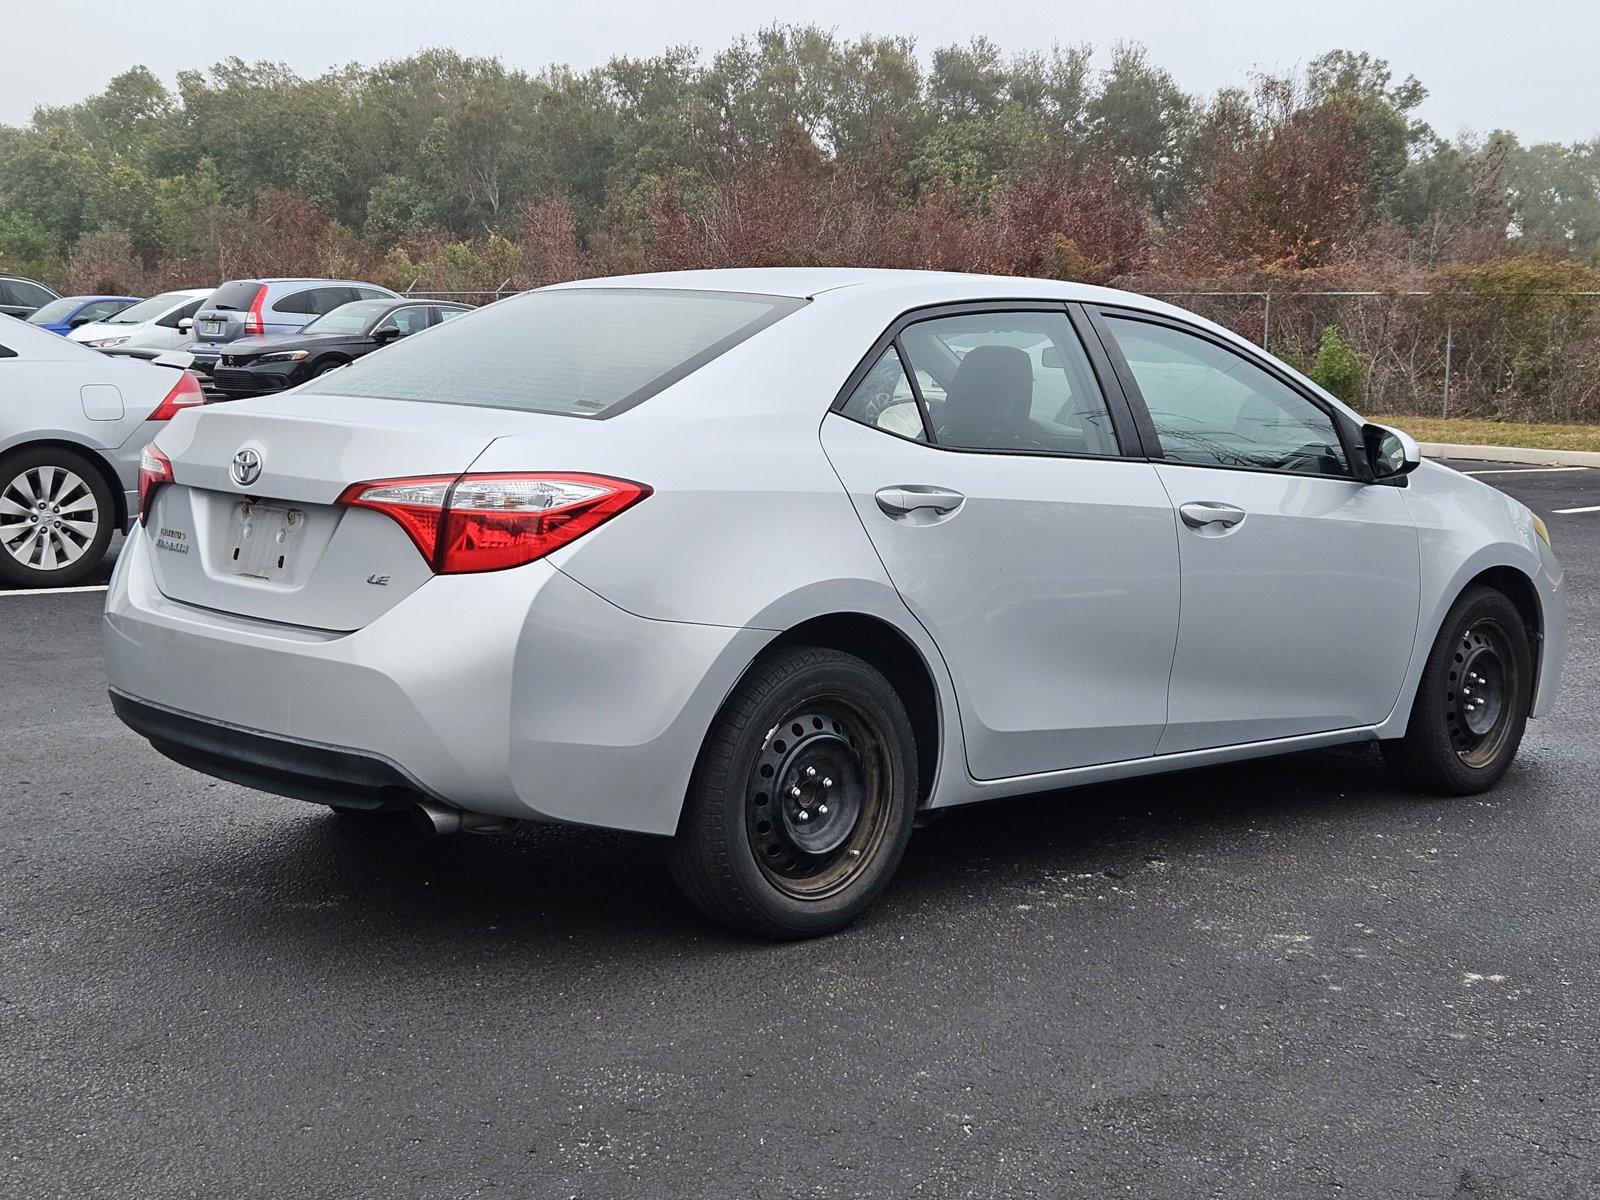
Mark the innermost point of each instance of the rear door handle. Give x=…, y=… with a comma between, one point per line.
x=1198, y=514
x=907, y=498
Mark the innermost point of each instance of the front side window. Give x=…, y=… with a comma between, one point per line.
x=884, y=399
x=581, y=352
x=1009, y=381
x=1213, y=407
x=100, y=310
x=405, y=321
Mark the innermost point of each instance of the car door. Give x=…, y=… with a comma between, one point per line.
x=1300, y=580
x=986, y=462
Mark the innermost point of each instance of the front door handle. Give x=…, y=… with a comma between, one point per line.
x=907, y=498
x=1198, y=514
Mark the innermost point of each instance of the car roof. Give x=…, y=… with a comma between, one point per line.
x=812, y=282
x=101, y=296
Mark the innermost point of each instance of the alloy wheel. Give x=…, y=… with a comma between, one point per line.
x=48, y=517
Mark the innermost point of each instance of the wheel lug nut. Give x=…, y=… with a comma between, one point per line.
x=804, y=815
x=826, y=782
x=823, y=809
x=811, y=772
x=795, y=792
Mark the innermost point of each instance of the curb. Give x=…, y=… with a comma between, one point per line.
x=1512, y=454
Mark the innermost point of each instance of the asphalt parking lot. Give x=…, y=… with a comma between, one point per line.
x=1285, y=979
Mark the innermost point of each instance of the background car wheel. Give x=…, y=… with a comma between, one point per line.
x=322, y=369
x=56, y=518
x=1472, y=704
x=802, y=802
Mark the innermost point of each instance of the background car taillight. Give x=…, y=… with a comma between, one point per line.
x=155, y=469
x=254, y=324
x=186, y=393
x=487, y=522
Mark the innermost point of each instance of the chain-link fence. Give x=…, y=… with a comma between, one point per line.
x=1503, y=355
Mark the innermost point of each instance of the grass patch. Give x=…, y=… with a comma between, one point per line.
x=1496, y=433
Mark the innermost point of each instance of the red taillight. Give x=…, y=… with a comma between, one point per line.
x=186, y=393
x=254, y=325
x=487, y=522
x=155, y=469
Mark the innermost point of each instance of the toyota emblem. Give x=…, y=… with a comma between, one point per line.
x=246, y=467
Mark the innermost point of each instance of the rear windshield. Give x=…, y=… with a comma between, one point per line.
x=582, y=352
x=237, y=295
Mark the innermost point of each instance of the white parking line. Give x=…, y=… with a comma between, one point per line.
x=1591, y=508
x=1525, y=470
x=97, y=587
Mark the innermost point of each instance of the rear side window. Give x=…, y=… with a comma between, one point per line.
x=315, y=301
x=23, y=292
x=884, y=399
x=1017, y=381
x=582, y=352
x=237, y=295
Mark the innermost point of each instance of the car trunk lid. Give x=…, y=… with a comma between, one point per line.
x=268, y=540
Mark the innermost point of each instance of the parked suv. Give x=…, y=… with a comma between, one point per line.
x=22, y=297
x=262, y=307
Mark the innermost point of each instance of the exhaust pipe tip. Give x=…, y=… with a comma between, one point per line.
x=436, y=820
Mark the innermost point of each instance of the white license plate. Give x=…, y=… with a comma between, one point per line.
x=263, y=541
x=211, y=326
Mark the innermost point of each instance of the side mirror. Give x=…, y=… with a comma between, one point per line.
x=77, y=321
x=1391, y=453
x=186, y=325
x=1050, y=357
x=388, y=333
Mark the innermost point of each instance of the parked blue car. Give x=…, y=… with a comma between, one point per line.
x=71, y=311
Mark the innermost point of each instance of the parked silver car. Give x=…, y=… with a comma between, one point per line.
x=72, y=425
x=264, y=307
x=768, y=561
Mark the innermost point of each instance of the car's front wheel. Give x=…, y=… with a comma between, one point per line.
x=1472, y=703
x=56, y=518
x=803, y=800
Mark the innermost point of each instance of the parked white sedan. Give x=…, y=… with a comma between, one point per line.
x=72, y=425
x=164, y=322
x=767, y=561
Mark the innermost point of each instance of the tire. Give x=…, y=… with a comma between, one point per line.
x=64, y=541
x=1472, y=703
x=743, y=854
x=323, y=368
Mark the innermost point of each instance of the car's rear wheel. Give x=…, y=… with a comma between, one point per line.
x=802, y=802
x=1472, y=703
x=56, y=518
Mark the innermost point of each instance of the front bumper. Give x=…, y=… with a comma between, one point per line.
x=255, y=381
x=518, y=693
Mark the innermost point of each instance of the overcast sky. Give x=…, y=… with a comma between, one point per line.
x=1528, y=67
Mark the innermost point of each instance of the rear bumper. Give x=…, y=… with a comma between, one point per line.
x=518, y=693
x=302, y=770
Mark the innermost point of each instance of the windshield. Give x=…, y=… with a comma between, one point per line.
x=56, y=310
x=349, y=318
x=148, y=310
x=582, y=352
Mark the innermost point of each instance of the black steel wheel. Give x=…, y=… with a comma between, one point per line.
x=1472, y=702
x=803, y=800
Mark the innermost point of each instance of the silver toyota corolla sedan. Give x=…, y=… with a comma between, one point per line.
x=768, y=561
